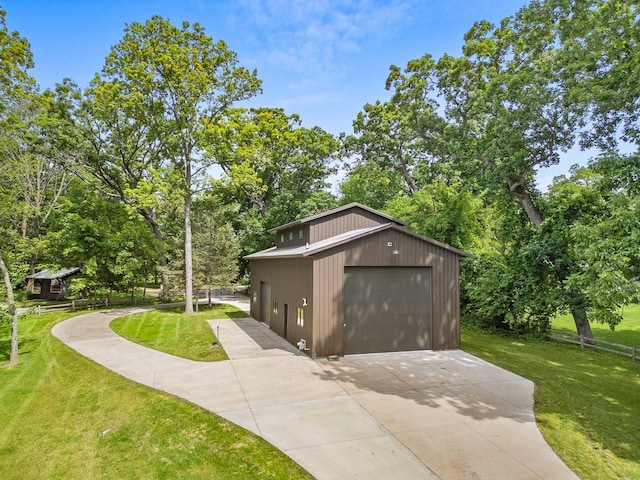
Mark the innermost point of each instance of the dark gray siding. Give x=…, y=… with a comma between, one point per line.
x=290, y=280
x=343, y=222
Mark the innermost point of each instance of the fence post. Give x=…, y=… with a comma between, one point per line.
x=635, y=354
x=73, y=305
x=38, y=310
x=581, y=342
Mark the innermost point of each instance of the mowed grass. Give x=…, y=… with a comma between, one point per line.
x=64, y=417
x=172, y=331
x=587, y=403
x=626, y=333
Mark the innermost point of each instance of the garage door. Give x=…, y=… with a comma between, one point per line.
x=387, y=309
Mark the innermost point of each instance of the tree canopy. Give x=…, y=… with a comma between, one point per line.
x=169, y=86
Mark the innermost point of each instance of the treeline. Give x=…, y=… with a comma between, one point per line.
x=115, y=176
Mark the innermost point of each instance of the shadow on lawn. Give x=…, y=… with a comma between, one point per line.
x=597, y=391
x=608, y=406
x=25, y=346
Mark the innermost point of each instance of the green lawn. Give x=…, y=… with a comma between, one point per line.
x=171, y=331
x=65, y=417
x=626, y=333
x=587, y=403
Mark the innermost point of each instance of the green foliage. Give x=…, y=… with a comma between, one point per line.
x=174, y=85
x=5, y=316
x=371, y=184
x=596, y=250
x=446, y=213
x=598, y=64
x=522, y=92
x=216, y=247
x=15, y=61
x=506, y=291
x=585, y=401
x=114, y=248
x=266, y=154
x=275, y=170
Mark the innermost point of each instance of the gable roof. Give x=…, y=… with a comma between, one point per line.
x=47, y=275
x=350, y=206
x=332, y=242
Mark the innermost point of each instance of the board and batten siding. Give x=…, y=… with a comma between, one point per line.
x=373, y=250
x=343, y=222
x=290, y=281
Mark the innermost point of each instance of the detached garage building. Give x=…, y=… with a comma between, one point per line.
x=354, y=280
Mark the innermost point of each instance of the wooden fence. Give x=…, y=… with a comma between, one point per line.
x=198, y=294
x=562, y=336
x=73, y=305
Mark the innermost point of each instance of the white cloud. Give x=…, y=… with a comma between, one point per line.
x=311, y=36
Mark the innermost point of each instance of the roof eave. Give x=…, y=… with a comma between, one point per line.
x=387, y=226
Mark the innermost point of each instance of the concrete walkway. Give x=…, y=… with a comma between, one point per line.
x=413, y=415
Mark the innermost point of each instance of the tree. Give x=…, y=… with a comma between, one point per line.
x=598, y=64
x=448, y=214
x=179, y=83
x=114, y=246
x=16, y=88
x=499, y=112
x=37, y=156
x=601, y=225
x=215, y=245
x=370, y=184
x=121, y=152
x=273, y=168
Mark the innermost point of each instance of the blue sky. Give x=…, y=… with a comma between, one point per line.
x=321, y=59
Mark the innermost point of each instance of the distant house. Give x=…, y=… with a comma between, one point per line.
x=355, y=280
x=53, y=285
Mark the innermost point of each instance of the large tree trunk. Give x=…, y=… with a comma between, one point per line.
x=150, y=217
x=34, y=255
x=583, y=327
x=188, y=260
x=520, y=193
x=408, y=178
x=13, y=358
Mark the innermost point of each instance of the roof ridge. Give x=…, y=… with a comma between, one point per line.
x=333, y=211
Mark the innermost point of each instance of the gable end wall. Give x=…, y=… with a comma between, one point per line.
x=328, y=281
x=342, y=222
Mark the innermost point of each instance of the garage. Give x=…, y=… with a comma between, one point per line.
x=354, y=280
x=386, y=309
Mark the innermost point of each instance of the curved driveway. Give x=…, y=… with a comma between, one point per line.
x=413, y=415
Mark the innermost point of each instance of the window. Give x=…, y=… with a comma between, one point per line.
x=274, y=306
x=56, y=286
x=282, y=238
x=300, y=234
x=300, y=317
x=290, y=236
x=255, y=297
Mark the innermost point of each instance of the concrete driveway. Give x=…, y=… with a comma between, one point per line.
x=413, y=415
